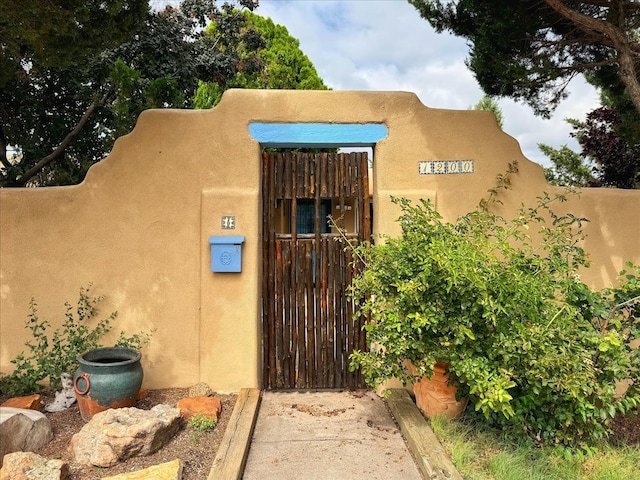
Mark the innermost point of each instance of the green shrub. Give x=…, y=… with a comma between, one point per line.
x=53, y=353
x=536, y=350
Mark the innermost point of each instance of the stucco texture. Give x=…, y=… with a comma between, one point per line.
x=137, y=228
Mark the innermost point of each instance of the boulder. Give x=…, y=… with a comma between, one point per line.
x=29, y=466
x=30, y=402
x=200, y=390
x=120, y=433
x=164, y=471
x=23, y=430
x=208, y=406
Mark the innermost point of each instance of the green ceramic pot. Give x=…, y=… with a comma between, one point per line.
x=107, y=378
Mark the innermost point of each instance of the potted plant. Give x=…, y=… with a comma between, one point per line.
x=520, y=334
x=436, y=394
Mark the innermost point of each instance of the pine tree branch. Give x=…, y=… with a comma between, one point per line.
x=618, y=38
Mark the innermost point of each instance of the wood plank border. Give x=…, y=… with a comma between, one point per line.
x=430, y=456
x=234, y=447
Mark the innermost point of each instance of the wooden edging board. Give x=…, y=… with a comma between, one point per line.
x=432, y=460
x=232, y=452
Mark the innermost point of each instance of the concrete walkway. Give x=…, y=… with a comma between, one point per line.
x=327, y=435
x=333, y=435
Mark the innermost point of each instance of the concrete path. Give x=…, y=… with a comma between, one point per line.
x=327, y=435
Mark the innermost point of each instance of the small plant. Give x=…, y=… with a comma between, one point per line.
x=134, y=342
x=200, y=424
x=53, y=353
x=537, y=351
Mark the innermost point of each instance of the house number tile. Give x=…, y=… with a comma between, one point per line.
x=229, y=222
x=445, y=167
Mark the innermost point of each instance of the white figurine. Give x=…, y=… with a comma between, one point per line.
x=64, y=398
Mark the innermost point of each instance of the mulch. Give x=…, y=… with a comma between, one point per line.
x=626, y=429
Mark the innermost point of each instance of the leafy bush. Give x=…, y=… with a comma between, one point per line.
x=535, y=348
x=52, y=354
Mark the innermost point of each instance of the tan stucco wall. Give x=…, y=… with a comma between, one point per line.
x=138, y=226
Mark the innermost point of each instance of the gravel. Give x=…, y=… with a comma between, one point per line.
x=195, y=449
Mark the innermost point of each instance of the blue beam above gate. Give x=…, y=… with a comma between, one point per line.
x=317, y=135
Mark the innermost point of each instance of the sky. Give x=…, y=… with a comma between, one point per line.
x=385, y=45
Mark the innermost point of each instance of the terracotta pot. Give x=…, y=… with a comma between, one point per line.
x=436, y=396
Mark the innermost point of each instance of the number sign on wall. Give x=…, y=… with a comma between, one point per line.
x=444, y=167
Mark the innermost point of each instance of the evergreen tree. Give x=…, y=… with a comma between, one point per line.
x=279, y=65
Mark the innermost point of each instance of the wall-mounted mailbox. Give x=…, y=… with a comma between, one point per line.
x=226, y=253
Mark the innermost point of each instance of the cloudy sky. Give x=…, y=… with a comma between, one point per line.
x=386, y=45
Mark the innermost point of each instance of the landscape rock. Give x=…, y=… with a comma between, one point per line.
x=164, y=471
x=200, y=390
x=23, y=430
x=29, y=466
x=30, y=402
x=120, y=433
x=207, y=406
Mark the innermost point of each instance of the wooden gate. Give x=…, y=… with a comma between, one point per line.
x=308, y=326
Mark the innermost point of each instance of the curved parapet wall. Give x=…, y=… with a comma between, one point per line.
x=138, y=227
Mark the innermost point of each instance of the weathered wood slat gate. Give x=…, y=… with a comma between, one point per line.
x=308, y=326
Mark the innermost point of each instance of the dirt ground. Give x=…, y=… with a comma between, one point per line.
x=195, y=449
x=626, y=430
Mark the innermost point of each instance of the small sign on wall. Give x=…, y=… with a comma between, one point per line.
x=445, y=167
x=228, y=222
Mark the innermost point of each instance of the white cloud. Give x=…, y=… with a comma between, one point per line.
x=386, y=45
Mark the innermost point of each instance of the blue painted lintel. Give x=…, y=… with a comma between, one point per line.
x=317, y=135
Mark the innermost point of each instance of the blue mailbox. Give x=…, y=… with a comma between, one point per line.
x=226, y=253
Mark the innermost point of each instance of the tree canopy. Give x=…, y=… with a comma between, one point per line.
x=282, y=65
x=53, y=78
x=608, y=158
x=609, y=139
x=529, y=50
x=37, y=34
x=75, y=74
x=567, y=168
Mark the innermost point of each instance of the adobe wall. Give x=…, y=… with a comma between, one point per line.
x=138, y=227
